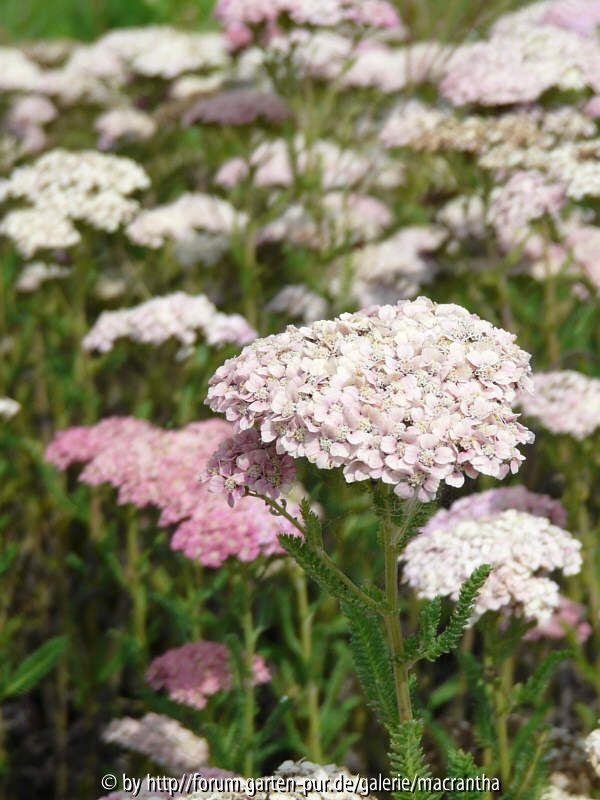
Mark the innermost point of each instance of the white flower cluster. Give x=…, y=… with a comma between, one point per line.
x=64, y=186
x=298, y=302
x=564, y=402
x=36, y=273
x=393, y=269
x=17, y=72
x=177, y=315
x=592, y=748
x=575, y=165
x=181, y=219
x=464, y=216
x=9, y=407
x=412, y=395
x=162, y=739
x=521, y=548
x=123, y=123
x=423, y=127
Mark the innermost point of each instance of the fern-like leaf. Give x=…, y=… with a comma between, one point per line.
x=407, y=760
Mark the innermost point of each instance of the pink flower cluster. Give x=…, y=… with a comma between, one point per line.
x=244, y=461
x=522, y=550
x=564, y=402
x=179, y=316
x=482, y=505
x=194, y=672
x=153, y=467
x=411, y=394
x=568, y=615
x=240, y=17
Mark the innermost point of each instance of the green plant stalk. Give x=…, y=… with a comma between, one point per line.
x=393, y=628
x=247, y=677
x=311, y=690
x=499, y=689
x=134, y=576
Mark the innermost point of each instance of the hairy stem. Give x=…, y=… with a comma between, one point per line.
x=314, y=748
x=393, y=629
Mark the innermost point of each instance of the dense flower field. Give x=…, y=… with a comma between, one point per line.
x=300, y=402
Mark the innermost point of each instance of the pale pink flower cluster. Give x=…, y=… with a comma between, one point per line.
x=391, y=70
x=26, y=119
x=245, y=462
x=564, y=402
x=241, y=17
x=123, y=123
x=482, y=505
x=162, y=739
x=181, y=219
x=238, y=107
x=344, y=217
x=298, y=302
x=527, y=196
x=519, y=65
x=154, y=467
x=270, y=165
x=567, y=616
x=194, y=672
x=17, y=71
x=179, y=316
x=412, y=394
x=521, y=548
x=394, y=268
x=464, y=216
x=592, y=747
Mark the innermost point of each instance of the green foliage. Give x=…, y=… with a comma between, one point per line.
x=531, y=693
x=31, y=671
x=373, y=664
x=462, y=765
x=407, y=759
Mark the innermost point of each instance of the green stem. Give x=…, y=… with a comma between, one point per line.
x=499, y=684
x=136, y=587
x=247, y=677
x=314, y=748
x=393, y=628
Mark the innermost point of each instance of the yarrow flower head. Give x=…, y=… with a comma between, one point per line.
x=412, y=395
x=522, y=550
x=166, y=469
x=564, y=402
x=567, y=616
x=162, y=739
x=194, y=672
x=9, y=407
x=238, y=107
x=245, y=462
x=179, y=316
x=241, y=17
x=482, y=505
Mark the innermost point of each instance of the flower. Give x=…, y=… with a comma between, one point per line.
x=338, y=168
x=344, y=218
x=412, y=394
x=564, y=402
x=241, y=17
x=297, y=301
x=154, y=467
x=522, y=550
x=237, y=107
x=394, y=268
x=123, y=123
x=9, y=407
x=162, y=739
x=568, y=615
x=177, y=315
x=182, y=218
x=592, y=748
x=37, y=272
x=194, y=672
x=63, y=186
x=245, y=462
x=482, y=505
